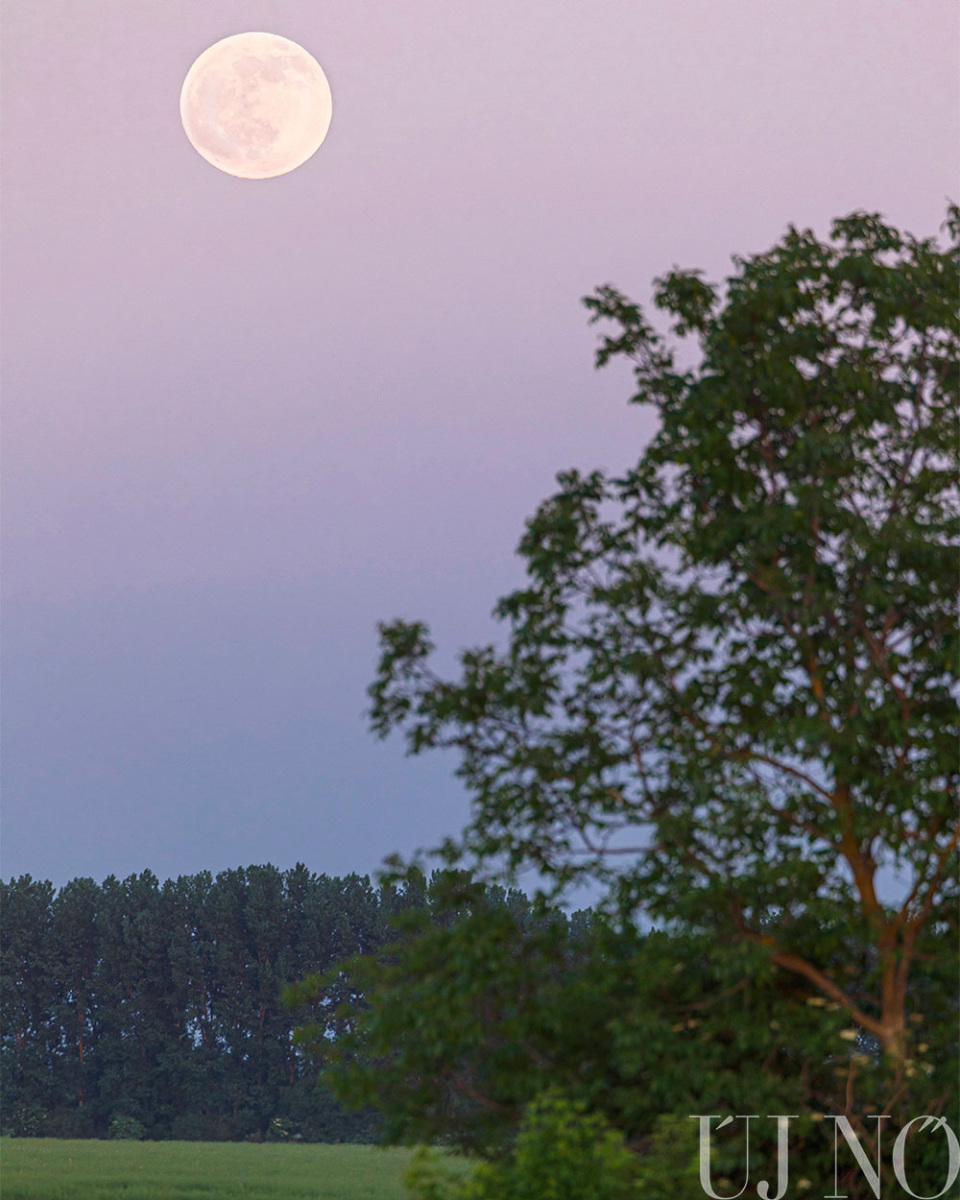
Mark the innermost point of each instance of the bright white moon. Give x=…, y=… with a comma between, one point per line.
x=256, y=105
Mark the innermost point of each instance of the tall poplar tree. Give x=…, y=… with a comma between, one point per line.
x=29, y=992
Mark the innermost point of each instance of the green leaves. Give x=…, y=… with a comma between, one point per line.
x=561, y=1153
x=727, y=687
x=443, y=1028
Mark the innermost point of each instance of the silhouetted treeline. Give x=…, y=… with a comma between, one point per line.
x=135, y=1008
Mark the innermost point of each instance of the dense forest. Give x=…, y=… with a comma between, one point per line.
x=135, y=1008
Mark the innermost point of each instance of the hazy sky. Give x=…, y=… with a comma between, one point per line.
x=245, y=420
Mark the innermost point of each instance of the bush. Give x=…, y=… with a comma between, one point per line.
x=126, y=1128
x=281, y=1129
x=669, y=1165
x=560, y=1153
x=28, y=1120
x=430, y=1177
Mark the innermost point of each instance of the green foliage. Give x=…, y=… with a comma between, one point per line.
x=28, y=1119
x=669, y=1166
x=561, y=1153
x=282, y=1129
x=442, y=1030
x=126, y=1128
x=464, y=1021
x=727, y=689
x=432, y=1176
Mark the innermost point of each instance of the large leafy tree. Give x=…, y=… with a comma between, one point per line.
x=727, y=689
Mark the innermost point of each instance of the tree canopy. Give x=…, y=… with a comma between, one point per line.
x=155, y=1008
x=727, y=688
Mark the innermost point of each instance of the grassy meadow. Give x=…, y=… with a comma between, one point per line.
x=61, y=1169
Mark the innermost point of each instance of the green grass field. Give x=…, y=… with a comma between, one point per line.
x=58, y=1169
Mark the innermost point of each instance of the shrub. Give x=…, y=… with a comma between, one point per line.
x=281, y=1129
x=560, y=1153
x=430, y=1177
x=127, y=1128
x=669, y=1165
x=29, y=1119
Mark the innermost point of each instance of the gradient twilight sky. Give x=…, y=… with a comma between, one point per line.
x=243, y=420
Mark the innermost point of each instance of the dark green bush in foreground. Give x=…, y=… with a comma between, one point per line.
x=560, y=1153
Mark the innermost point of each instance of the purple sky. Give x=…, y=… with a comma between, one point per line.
x=244, y=420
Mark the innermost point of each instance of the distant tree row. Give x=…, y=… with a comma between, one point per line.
x=135, y=1008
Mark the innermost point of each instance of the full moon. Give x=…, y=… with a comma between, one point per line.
x=256, y=105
